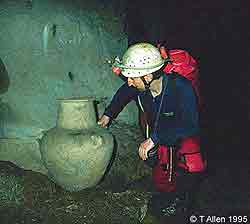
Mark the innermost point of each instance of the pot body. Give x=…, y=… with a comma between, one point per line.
x=76, y=152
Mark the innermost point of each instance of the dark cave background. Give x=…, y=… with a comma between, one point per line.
x=216, y=33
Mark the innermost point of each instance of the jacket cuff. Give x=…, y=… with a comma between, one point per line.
x=109, y=114
x=154, y=138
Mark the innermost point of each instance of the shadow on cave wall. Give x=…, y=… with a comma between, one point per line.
x=4, y=78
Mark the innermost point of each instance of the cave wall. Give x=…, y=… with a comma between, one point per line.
x=56, y=49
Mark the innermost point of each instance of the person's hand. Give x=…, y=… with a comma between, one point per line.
x=104, y=120
x=145, y=147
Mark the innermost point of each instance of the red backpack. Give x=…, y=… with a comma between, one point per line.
x=185, y=65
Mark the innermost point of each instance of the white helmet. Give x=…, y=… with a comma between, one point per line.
x=141, y=59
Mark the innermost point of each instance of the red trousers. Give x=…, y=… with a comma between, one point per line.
x=174, y=162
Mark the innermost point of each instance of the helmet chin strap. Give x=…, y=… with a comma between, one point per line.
x=147, y=85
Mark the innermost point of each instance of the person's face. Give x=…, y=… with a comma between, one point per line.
x=138, y=83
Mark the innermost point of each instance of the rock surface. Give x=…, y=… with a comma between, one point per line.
x=55, y=49
x=23, y=153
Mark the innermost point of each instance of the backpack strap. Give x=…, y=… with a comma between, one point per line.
x=165, y=82
x=144, y=114
x=168, y=82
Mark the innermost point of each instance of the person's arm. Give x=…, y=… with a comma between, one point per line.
x=122, y=97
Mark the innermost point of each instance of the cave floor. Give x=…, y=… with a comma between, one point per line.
x=224, y=192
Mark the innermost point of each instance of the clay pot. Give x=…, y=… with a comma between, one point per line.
x=77, y=151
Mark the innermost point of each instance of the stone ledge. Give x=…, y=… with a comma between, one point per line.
x=24, y=153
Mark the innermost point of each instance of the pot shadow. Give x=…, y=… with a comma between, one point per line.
x=98, y=115
x=111, y=160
